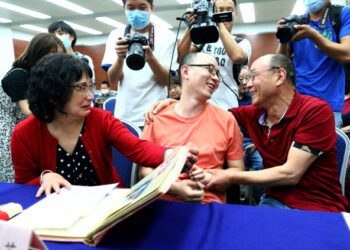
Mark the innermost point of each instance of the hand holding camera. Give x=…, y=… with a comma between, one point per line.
x=132, y=48
x=203, y=29
x=287, y=31
x=121, y=48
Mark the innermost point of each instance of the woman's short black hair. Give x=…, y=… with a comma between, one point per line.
x=50, y=84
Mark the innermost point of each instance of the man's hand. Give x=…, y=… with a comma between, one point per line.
x=249, y=150
x=155, y=108
x=121, y=48
x=148, y=53
x=192, y=18
x=304, y=31
x=280, y=24
x=200, y=175
x=99, y=101
x=220, y=180
x=187, y=190
x=52, y=181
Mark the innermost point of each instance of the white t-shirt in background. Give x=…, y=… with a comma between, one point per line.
x=138, y=89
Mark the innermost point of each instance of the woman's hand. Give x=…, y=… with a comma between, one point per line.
x=155, y=108
x=191, y=158
x=52, y=181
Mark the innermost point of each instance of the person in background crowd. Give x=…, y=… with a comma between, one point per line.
x=138, y=89
x=105, y=94
x=295, y=135
x=69, y=37
x=13, y=95
x=175, y=91
x=66, y=141
x=228, y=53
x=318, y=55
x=192, y=119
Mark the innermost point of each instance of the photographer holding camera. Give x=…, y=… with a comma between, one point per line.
x=318, y=52
x=227, y=52
x=137, y=59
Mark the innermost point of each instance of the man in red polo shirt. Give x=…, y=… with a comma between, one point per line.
x=295, y=136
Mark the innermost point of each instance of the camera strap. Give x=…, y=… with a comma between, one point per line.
x=150, y=34
x=324, y=19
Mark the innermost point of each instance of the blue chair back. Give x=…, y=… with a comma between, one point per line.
x=109, y=104
x=96, y=94
x=126, y=169
x=342, y=145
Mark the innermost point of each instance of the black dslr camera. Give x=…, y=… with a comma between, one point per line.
x=286, y=32
x=204, y=28
x=135, y=59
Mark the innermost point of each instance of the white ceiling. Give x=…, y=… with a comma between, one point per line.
x=268, y=12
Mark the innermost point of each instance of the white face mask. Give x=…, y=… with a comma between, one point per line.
x=65, y=40
x=104, y=91
x=314, y=5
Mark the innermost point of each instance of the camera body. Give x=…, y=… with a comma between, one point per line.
x=204, y=28
x=286, y=32
x=135, y=59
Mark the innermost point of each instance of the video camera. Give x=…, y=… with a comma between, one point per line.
x=135, y=59
x=204, y=28
x=286, y=32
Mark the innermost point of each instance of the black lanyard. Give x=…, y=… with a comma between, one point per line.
x=150, y=35
x=324, y=19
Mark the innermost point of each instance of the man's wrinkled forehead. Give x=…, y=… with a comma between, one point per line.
x=261, y=62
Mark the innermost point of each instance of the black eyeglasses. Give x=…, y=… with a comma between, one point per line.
x=211, y=69
x=83, y=88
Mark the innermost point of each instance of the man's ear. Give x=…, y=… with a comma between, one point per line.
x=281, y=75
x=184, y=72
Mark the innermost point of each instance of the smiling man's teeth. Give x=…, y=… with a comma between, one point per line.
x=211, y=86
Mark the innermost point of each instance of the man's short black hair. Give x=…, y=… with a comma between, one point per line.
x=187, y=59
x=107, y=83
x=50, y=84
x=150, y=2
x=62, y=26
x=235, y=2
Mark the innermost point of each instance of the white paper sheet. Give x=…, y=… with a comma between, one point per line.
x=62, y=210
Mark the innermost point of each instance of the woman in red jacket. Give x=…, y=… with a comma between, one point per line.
x=67, y=141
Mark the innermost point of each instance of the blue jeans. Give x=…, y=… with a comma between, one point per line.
x=338, y=119
x=253, y=162
x=271, y=202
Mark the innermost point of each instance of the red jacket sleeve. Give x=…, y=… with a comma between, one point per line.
x=142, y=152
x=26, y=170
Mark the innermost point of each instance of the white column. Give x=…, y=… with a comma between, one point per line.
x=6, y=50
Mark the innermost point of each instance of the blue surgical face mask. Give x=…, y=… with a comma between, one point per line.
x=65, y=40
x=137, y=18
x=314, y=5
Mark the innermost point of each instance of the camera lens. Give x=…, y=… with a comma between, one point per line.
x=136, y=57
